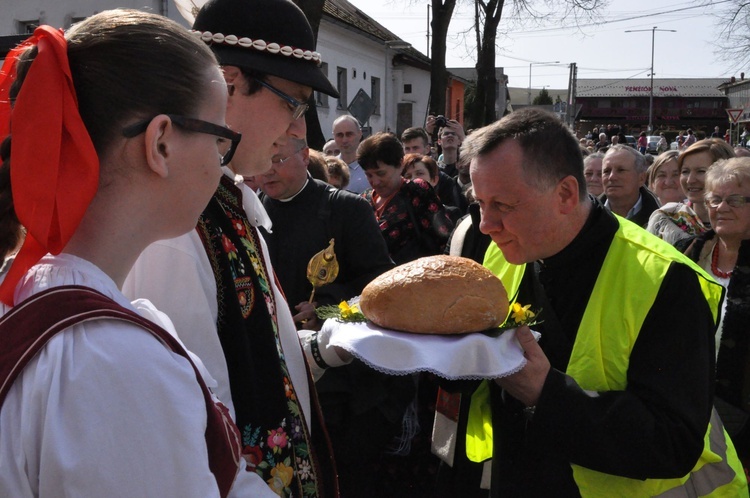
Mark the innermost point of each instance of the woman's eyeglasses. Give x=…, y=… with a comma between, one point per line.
x=226, y=147
x=735, y=201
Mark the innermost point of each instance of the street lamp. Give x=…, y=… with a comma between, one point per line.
x=651, y=92
x=537, y=64
x=390, y=45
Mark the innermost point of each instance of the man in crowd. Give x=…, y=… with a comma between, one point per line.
x=347, y=134
x=603, y=143
x=217, y=284
x=623, y=176
x=616, y=397
x=306, y=214
x=416, y=141
x=362, y=408
x=331, y=149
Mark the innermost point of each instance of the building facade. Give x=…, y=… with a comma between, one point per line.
x=361, y=57
x=678, y=104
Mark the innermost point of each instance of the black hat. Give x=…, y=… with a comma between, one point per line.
x=270, y=36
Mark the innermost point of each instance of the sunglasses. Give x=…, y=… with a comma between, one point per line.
x=226, y=149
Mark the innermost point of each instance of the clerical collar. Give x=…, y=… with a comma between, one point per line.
x=298, y=192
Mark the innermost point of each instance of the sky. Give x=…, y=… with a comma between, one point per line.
x=600, y=49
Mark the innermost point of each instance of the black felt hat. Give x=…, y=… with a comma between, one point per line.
x=270, y=36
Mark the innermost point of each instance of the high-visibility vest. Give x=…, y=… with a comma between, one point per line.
x=635, y=260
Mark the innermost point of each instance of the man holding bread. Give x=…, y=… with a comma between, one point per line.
x=616, y=397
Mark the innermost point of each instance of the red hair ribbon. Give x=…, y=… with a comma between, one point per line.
x=54, y=166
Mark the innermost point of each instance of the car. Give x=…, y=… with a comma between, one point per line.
x=653, y=144
x=631, y=140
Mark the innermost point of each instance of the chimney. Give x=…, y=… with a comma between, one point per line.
x=733, y=79
x=742, y=76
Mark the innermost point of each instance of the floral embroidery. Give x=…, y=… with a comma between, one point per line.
x=281, y=478
x=395, y=223
x=279, y=457
x=277, y=439
x=239, y=227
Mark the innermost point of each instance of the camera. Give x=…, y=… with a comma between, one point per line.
x=440, y=122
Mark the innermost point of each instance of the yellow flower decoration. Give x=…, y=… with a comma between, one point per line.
x=347, y=311
x=281, y=478
x=521, y=314
x=344, y=312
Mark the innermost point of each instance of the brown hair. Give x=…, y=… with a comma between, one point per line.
x=125, y=64
x=383, y=147
x=317, y=165
x=716, y=147
x=410, y=160
x=338, y=167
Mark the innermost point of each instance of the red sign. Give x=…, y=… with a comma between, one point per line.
x=734, y=114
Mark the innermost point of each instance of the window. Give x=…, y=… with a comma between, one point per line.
x=321, y=99
x=341, y=86
x=27, y=27
x=407, y=88
x=375, y=94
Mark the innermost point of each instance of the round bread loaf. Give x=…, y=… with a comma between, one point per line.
x=436, y=295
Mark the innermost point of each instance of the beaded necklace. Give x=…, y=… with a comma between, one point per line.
x=715, y=264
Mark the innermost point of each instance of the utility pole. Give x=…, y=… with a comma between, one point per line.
x=651, y=93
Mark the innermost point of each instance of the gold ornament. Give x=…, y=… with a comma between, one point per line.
x=323, y=268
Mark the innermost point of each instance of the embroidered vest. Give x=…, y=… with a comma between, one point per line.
x=275, y=437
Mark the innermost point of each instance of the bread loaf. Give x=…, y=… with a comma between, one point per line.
x=436, y=295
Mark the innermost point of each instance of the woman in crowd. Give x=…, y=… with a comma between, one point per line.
x=724, y=252
x=642, y=142
x=412, y=219
x=664, y=178
x=117, y=138
x=679, y=222
x=425, y=167
x=592, y=172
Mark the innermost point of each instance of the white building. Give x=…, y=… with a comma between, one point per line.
x=358, y=54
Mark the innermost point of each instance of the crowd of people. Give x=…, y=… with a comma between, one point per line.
x=161, y=335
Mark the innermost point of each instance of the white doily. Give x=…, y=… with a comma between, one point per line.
x=469, y=356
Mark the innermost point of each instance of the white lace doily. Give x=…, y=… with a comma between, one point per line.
x=469, y=356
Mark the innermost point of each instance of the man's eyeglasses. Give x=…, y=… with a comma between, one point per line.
x=735, y=201
x=298, y=108
x=226, y=148
x=276, y=160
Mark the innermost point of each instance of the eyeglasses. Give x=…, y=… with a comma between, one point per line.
x=735, y=201
x=197, y=126
x=281, y=160
x=298, y=108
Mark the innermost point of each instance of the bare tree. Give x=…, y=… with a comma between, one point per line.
x=734, y=34
x=487, y=17
x=442, y=11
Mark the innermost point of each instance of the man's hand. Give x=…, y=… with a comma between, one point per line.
x=306, y=315
x=429, y=124
x=526, y=385
x=456, y=127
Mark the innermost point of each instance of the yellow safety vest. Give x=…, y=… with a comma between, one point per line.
x=718, y=472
